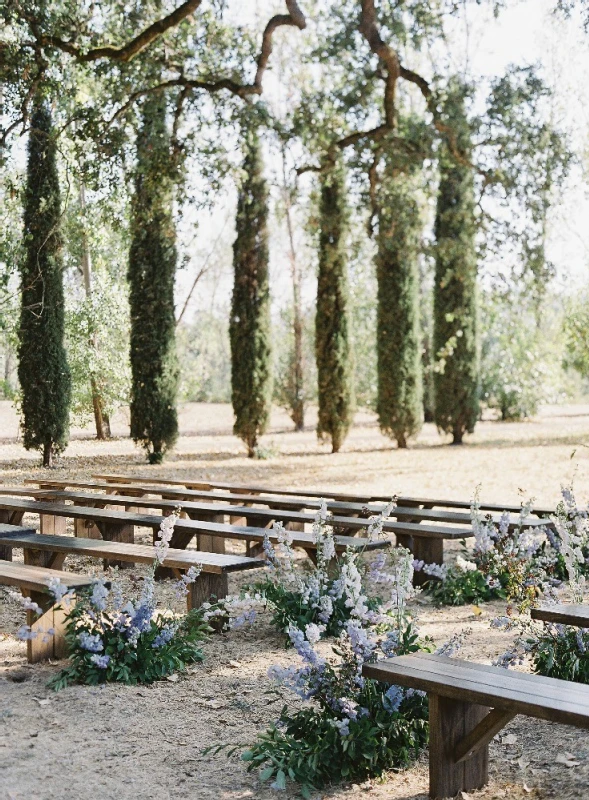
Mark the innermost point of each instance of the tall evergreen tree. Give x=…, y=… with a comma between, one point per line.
x=249, y=329
x=332, y=324
x=42, y=370
x=456, y=377
x=151, y=275
x=400, y=391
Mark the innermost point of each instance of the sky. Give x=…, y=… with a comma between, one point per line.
x=525, y=34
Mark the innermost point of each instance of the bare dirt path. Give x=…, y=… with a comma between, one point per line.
x=119, y=742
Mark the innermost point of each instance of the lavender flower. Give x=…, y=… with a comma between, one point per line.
x=99, y=596
x=101, y=662
x=91, y=642
x=393, y=699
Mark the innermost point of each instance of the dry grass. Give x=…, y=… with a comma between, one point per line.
x=119, y=742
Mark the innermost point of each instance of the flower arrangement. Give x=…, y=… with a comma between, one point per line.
x=328, y=595
x=558, y=651
x=349, y=727
x=111, y=638
x=504, y=563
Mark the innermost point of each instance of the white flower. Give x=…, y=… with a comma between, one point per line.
x=466, y=566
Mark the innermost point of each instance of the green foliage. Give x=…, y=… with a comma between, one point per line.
x=306, y=748
x=151, y=274
x=576, y=333
x=249, y=328
x=205, y=355
x=400, y=390
x=97, y=339
x=43, y=370
x=144, y=660
x=561, y=652
x=460, y=587
x=332, y=324
x=519, y=355
x=318, y=745
x=455, y=289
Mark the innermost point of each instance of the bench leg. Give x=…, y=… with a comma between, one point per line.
x=207, y=588
x=114, y=532
x=450, y=721
x=44, y=646
x=429, y=550
x=52, y=525
x=86, y=529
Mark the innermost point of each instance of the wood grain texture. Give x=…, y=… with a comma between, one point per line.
x=142, y=554
x=563, y=614
x=534, y=695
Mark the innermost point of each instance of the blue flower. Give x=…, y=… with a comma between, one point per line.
x=90, y=642
x=393, y=699
x=101, y=662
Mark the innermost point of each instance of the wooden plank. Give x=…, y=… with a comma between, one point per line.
x=37, y=578
x=325, y=492
x=6, y=550
x=563, y=614
x=262, y=516
x=544, y=698
x=243, y=533
x=217, y=563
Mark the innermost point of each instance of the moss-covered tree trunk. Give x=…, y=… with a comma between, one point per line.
x=249, y=328
x=332, y=324
x=151, y=275
x=400, y=391
x=42, y=370
x=456, y=377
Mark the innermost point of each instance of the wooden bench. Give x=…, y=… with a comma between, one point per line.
x=119, y=526
x=327, y=493
x=211, y=582
x=563, y=614
x=469, y=704
x=33, y=581
x=295, y=503
x=425, y=541
x=283, y=505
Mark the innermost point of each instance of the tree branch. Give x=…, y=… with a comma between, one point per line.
x=129, y=50
x=296, y=18
x=369, y=29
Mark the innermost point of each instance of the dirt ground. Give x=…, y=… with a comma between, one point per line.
x=145, y=742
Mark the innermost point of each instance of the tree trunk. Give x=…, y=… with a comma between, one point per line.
x=100, y=418
x=48, y=454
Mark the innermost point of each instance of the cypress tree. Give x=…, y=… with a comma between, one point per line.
x=42, y=370
x=456, y=379
x=249, y=328
x=332, y=325
x=151, y=274
x=400, y=392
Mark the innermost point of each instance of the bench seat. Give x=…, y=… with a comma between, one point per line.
x=469, y=704
x=118, y=526
x=212, y=580
x=33, y=581
x=424, y=502
x=563, y=614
